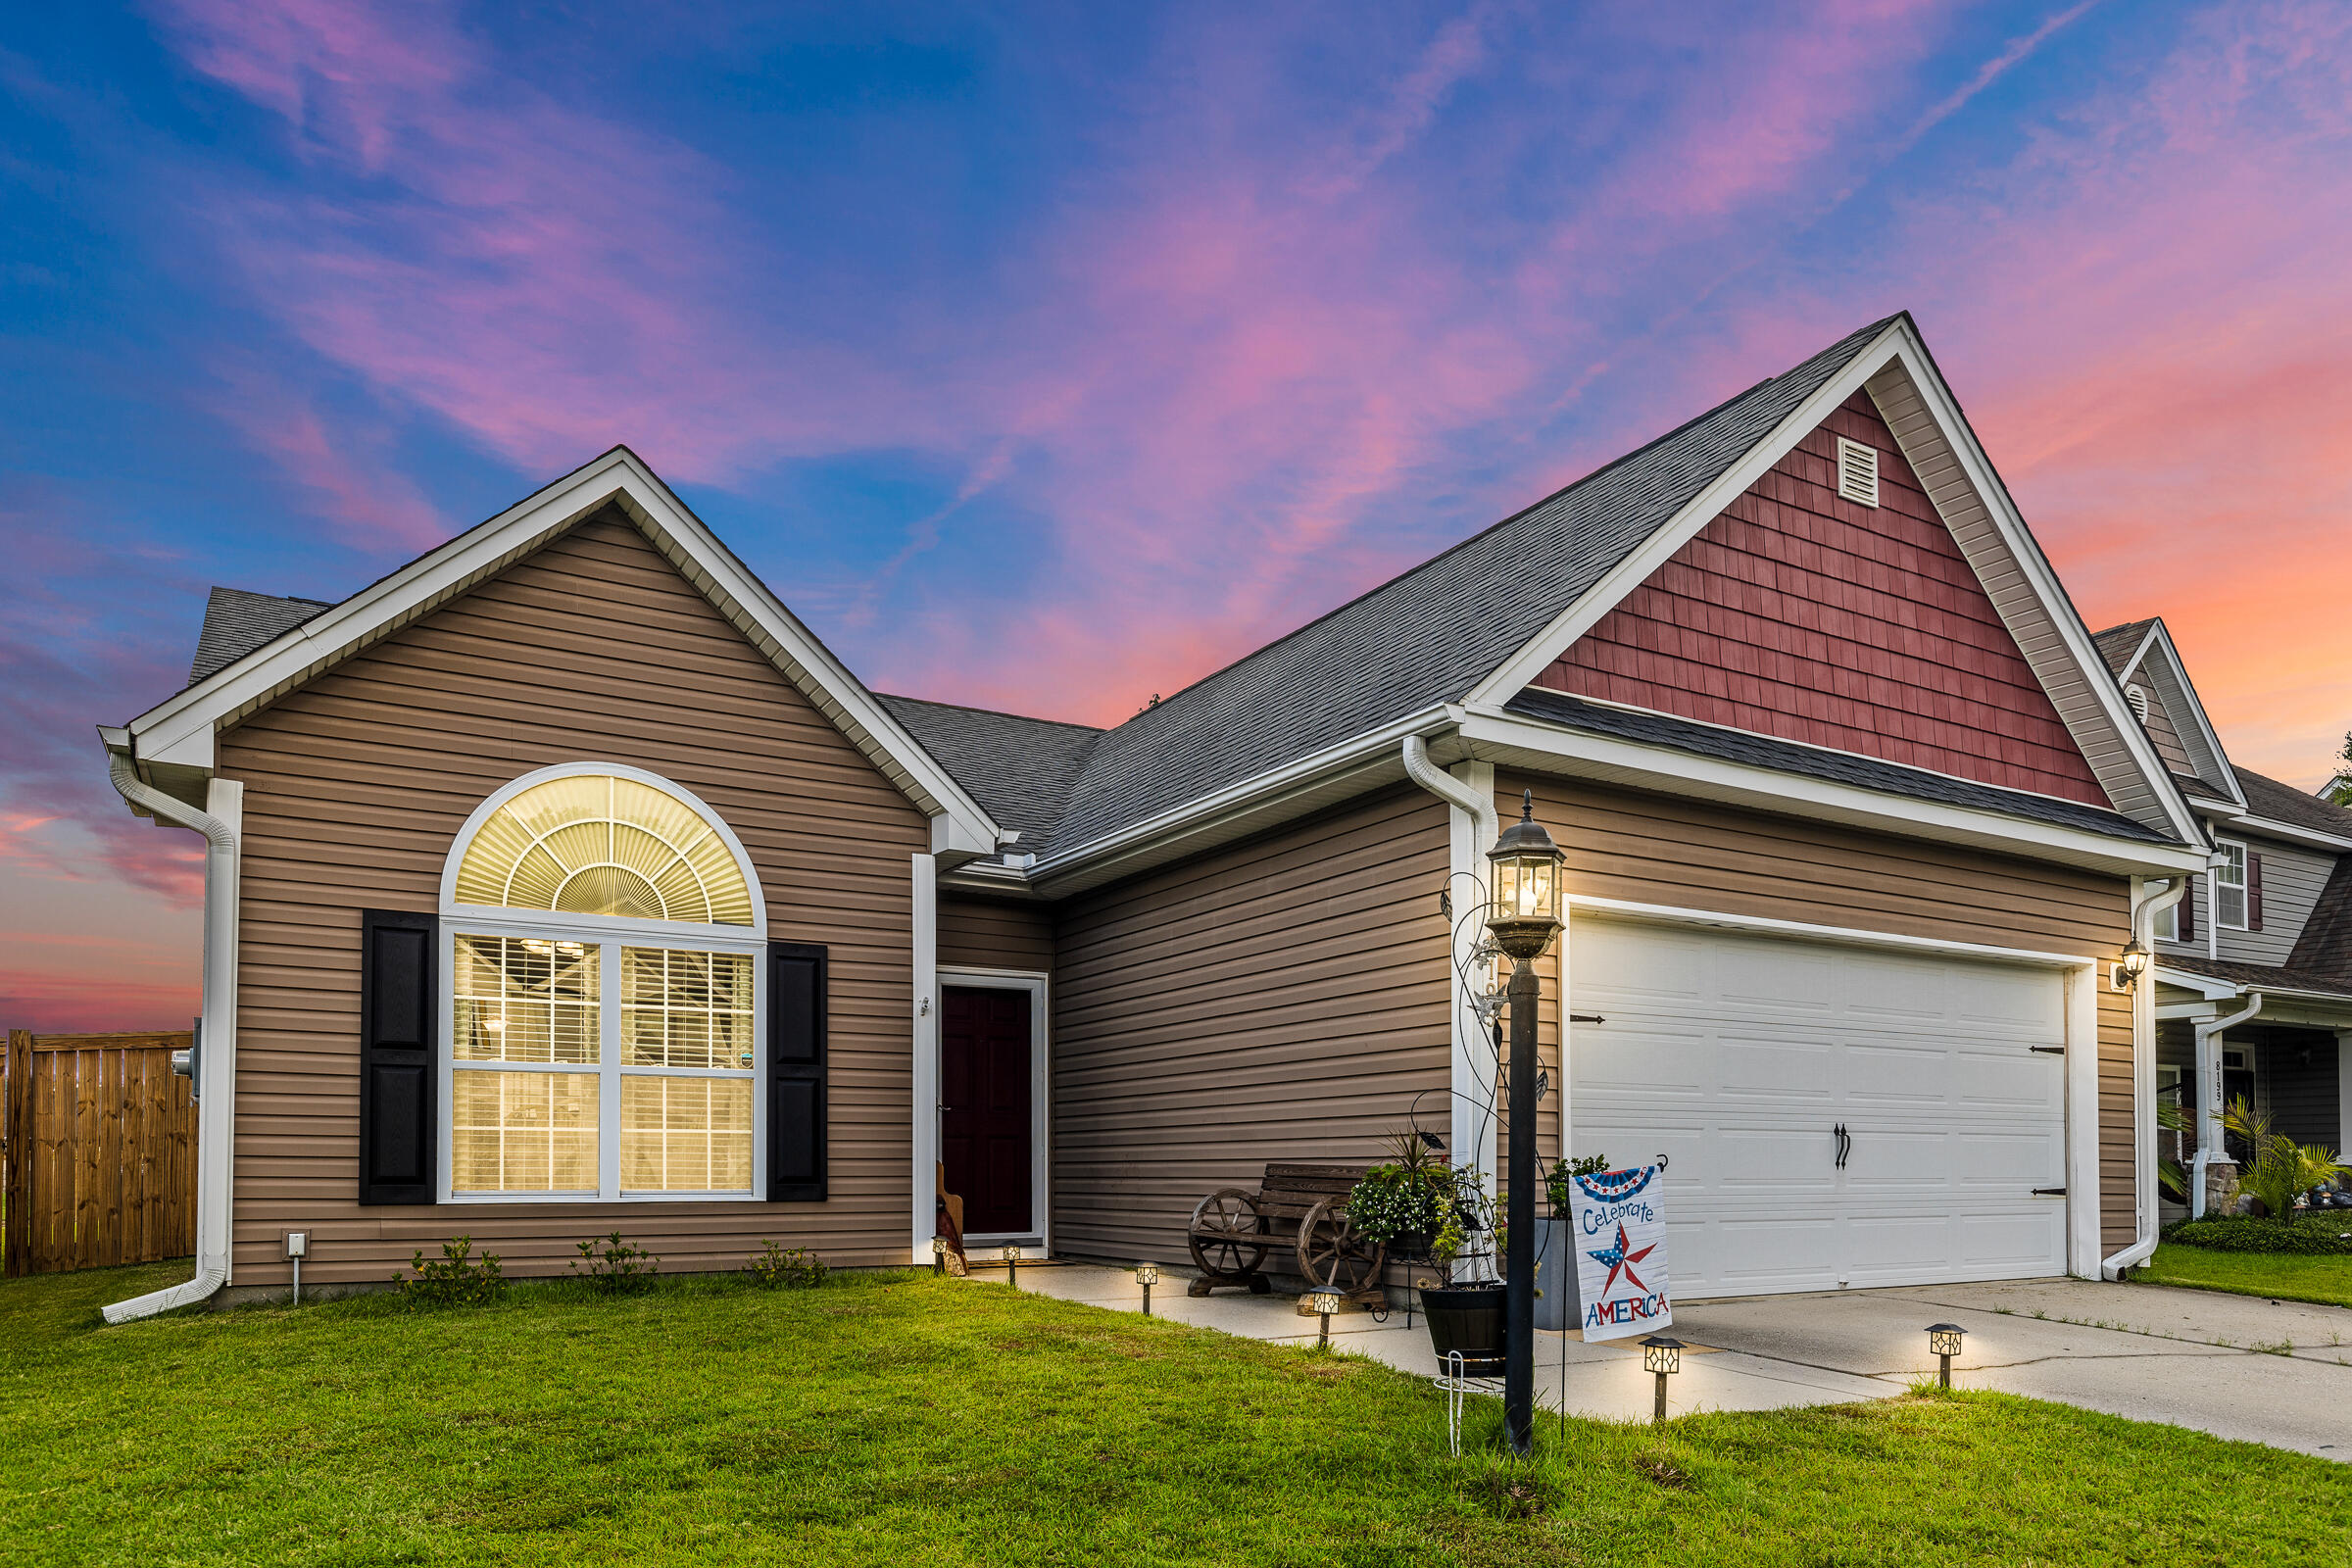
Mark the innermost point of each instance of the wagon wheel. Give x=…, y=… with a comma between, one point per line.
x=1228, y=1234
x=1331, y=1255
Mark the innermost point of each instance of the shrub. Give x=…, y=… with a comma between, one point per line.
x=1392, y=1201
x=777, y=1268
x=2310, y=1236
x=613, y=1267
x=2283, y=1170
x=459, y=1279
x=1556, y=1184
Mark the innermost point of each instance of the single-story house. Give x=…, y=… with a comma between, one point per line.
x=2254, y=965
x=562, y=882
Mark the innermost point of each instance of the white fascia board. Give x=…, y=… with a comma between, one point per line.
x=1521, y=669
x=2204, y=985
x=1101, y=858
x=2271, y=829
x=181, y=728
x=1547, y=748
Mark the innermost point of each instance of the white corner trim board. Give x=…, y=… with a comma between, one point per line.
x=215, y=1111
x=923, y=1112
x=2148, y=901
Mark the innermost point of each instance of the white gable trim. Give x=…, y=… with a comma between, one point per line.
x=2178, y=694
x=177, y=734
x=1918, y=408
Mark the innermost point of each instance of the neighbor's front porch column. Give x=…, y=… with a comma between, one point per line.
x=2343, y=1092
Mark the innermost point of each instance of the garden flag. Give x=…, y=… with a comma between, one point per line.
x=1620, y=1229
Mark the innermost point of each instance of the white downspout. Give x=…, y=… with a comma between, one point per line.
x=1470, y=1080
x=2143, y=1082
x=2208, y=1095
x=216, y=1109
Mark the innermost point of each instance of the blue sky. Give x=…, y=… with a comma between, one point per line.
x=1049, y=357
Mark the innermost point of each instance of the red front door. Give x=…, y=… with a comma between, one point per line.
x=985, y=1134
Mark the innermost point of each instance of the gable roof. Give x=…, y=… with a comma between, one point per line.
x=1019, y=769
x=2145, y=647
x=2117, y=644
x=172, y=743
x=236, y=622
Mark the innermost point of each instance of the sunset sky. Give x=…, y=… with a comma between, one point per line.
x=1049, y=358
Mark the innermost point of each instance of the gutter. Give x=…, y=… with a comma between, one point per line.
x=2143, y=1085
x=215, y=1111
x=2209, y=1085
x=1445, y=787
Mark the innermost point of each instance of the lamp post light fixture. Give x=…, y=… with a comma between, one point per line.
x=1664, y=1358
x=1522, y=919
x=2132, y=965
x=1146, y=1275
x=939, y=1254
x=1943, y=1343
x=1012, y=1264
x=1323, y=1301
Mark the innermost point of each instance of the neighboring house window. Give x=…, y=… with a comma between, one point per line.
x=2168, y=923
x=2229, y=886
x=603, y=963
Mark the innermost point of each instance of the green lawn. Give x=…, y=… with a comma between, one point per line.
x=919, y=1421
x=2283, y=1276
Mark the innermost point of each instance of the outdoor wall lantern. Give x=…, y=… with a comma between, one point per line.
x=939, y=1254
x=1323, y=1303
x=1664, y=1358
x=1146, y=1275
x=2132, y=965
x=1012, y=1264
x=1522, y=919
x=1944, y=1342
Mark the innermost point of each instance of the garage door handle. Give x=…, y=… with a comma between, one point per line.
x=1845, y=1145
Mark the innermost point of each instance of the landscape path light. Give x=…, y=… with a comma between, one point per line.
x=1522, y=919
x=1664, y=1358
x=1943, y=1343
x=939, y=1254
x=1012, y=1264
x=1323, y=1303
x=1146, y=1275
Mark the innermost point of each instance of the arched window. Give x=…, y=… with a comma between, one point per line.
x=603, y=932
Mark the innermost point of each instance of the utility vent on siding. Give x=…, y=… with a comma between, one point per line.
x=1857, y=472
x=2138, y=696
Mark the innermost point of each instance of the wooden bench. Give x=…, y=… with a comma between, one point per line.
x=1300, y=1207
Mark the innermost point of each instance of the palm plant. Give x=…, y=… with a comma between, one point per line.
x=2281, y=1170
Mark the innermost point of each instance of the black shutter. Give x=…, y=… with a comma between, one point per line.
x=2188, y=912
x=2253, y=891
x=399, y=1032
x=796, y=1072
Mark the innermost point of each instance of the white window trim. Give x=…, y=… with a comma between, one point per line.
x=612, y=933
x=2244, y=891
x=1040, y=1095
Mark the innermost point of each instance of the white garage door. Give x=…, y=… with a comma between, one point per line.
x=1738, y=1056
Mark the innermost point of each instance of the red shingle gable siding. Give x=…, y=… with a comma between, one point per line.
x=1800, y=615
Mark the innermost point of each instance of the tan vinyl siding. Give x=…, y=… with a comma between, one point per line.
x=995, y=934
x=593, y=650
x=1648, y=848
x=1280, y=999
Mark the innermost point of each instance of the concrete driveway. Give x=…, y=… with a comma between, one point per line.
x=2235, y=1366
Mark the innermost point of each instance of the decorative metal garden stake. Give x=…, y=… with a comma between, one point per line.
x=1663, y=1357
x=939, y=1254
x=1146, y=1275
x=1323, y=1303
x=1523, y=919
x=1944, y=1342
x=1012, y=1267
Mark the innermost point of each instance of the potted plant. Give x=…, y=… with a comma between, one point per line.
x=1401, y=1204
x=1470, y=1315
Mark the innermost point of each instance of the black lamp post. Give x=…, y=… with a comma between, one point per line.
x=1523, y=919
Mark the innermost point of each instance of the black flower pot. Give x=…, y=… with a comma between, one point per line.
x=1468, y=1318
x=1409, y=1243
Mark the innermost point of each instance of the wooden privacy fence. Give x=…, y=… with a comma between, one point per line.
x=98, y=1139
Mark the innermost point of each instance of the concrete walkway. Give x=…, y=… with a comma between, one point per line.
x=2278, y=1373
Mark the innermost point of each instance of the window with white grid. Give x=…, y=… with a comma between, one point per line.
x=603, y=996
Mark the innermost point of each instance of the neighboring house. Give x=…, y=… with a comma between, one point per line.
x=2270, y=923
x=562, y=882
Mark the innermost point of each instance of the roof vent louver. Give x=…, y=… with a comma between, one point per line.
x=1857, y=472
x=2139, y=697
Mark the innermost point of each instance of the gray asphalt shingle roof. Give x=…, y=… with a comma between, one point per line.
x=2117, y=644
x=1019, y=769
x=1808, y=761
x=2283, y=802
x=236, y=622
